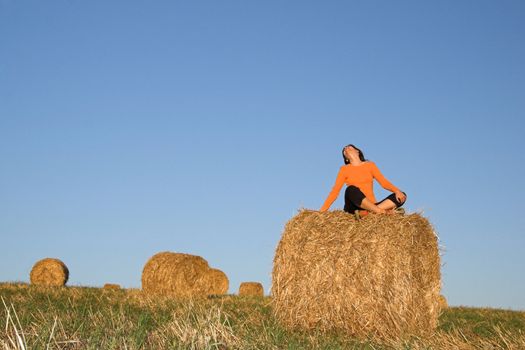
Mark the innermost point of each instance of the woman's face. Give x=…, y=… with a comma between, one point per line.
x=349, y=151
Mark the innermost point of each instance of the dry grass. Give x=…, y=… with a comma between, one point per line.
x=91, y=318
x=379, y=276
x=197, y=326
x=458, y=340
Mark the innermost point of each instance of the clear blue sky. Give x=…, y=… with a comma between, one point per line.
x=133, y=127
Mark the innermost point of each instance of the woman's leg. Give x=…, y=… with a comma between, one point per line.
x=368, y=205
x=355, y=200
x=391, y=202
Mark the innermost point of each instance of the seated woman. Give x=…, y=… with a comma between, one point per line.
x=359, y=175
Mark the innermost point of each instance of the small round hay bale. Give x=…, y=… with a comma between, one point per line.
x=111, y=286
x=251, y=289
x=49, y=272
x=443, y=304
x=377, y=277
x=215, y=282
x=175, y=274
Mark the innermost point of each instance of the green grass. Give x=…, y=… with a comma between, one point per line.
x=92, y=318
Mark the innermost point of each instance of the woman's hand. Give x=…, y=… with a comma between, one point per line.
x=400, y=196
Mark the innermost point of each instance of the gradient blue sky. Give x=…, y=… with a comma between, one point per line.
x=133, y=127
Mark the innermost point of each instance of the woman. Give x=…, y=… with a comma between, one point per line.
x=359, y=175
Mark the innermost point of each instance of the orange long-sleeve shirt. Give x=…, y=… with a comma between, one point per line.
x=362, y=176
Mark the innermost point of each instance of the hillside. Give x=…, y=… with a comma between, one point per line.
x=93, y=318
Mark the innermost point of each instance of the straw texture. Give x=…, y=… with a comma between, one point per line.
x=251, y=288
x=215, y=282
x=443, y=304
x=378, y=277
x=178, y=274
x=49, y=272
x=111, y=286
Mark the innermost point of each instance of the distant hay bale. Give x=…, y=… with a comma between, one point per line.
x=111, y=286
x=178, y=274
x=443, y=304
x=377, y=277
x=251, y=288
x=215, y=282
x=49, y=272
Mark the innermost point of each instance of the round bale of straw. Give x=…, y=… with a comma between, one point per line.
x=49, y=272
x=251, y=289
x=178, y=274
x=111, y=286
x=375, y=277
x=215, y=282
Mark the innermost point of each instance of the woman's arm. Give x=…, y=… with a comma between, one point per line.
x=387, y=185
x=339, y=182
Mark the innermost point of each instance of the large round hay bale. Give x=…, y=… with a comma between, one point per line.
x=215, y=282
x=251, y=289
x=178, y=274
x=377, y=277
x=49, y=272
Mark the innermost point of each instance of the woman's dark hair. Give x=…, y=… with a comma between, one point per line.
x=361, y=155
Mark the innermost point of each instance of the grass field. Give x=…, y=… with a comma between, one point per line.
x=93, y=318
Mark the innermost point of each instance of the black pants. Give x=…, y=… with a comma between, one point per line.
x=354, y=197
